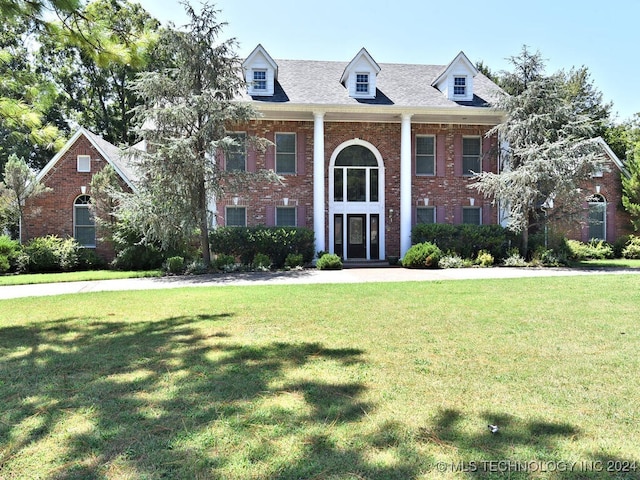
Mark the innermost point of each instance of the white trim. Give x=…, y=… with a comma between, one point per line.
x=83, y=163
x=405, y=185
x=318, y=180
x=295, y=153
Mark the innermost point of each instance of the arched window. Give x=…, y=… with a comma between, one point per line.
x=597, y=217
x=355, y=175
x=84, y=226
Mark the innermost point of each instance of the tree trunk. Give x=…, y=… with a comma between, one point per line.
x=525, y=240
x=204, y=225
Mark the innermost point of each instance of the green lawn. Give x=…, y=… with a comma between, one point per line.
x=373, y=381
x=89, y=275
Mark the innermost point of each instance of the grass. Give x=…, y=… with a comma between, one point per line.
x=609, y=263
x=89, y=275
x=376, y=381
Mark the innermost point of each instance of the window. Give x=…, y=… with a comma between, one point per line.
x=362, y=83
x=236, y=217
x=84, y=226
x=259, y=79
x=84, y=163
x=459, y=86
x=426, y=215
x=286, y=153
x=425, y=155
x=471, y=155
x=471, y=215
x=237, y=154
x=597, y=217
x=356, y=176
x=286, y=216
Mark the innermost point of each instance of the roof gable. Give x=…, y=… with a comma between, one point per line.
x=260, y=72
x=362, y=70
x=462, y=69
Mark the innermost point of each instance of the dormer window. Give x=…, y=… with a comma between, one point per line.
x=362, y=83
x=260, y=80
x=459, y=85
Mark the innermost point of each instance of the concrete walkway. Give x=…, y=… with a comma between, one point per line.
x=311, y=276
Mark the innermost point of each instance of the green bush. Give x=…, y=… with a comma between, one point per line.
x=294, y=260
x=465, y=240
x=261, y=262
x=222, y=261
x=174, y=265
x=452, y=260
x=514, y=259
x=632, y=248
x=49, y=254
x=422, y=255
x=484, y=259
x=4, y=264
x=88, y=259
x=329, y=261
x=275, y=242
x=593, y=250
x=9, y=252
x=619, y=244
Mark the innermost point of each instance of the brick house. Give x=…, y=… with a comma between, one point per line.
x=365, y=150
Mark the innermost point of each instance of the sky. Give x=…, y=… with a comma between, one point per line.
x=603, y=36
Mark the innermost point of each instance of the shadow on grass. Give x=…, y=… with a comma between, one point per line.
x=177, y=398
x=519, y=450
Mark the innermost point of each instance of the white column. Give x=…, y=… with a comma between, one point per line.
x=405, y=184
x=318, y=179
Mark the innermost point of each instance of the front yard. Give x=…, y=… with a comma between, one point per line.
x=379, y=381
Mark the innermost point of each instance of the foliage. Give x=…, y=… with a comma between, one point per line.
x=222, y=261
x=631, y=187
x=329, y=261
x=514, y=259
x=261, y=261
x=294, y=260
x=452, y=260
x=132, y=252
x=465, y=240
x=422, y=255
x=50, y=254
x=276, y=242
x=632, y=248
x=174, y=265
x=196, y=267
x=484, y=259
x=9, y=251
x=593, y=250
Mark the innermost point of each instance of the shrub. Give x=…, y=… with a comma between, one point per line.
x=196, y=267
x=4, y=264
x=88, y=259
x=632, y=248
x=174, y=265
x=9, y=252
x=484, y=259
x=329, y=261
x=261, y=262
x=422, y=255
x=464, y=240
x=546, y=257
x=619, y=245
x=132, y=252
x=594, y=250
x=68, y=252
x=514, y=259
x=222, y=261
x=294, y=260
x=49, y=254
x=452, y=260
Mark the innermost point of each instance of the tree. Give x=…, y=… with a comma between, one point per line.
x=20, y=183
x=183, y=118
x=631, y=187
x=527, y=67
x=549, y=152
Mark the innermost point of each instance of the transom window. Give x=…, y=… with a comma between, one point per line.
x=286, y=216
x=237, y=154
x=236, y=217
x=355, y=176
x=472, y=215
x=471, y=155
x=425, y=155
x=460, y=85
x=84, y=225
x=362, y=83
x=259, y=79
x=285, y=153
x=426, y=215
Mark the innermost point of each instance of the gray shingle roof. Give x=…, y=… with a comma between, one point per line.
x=115, y=154
x=403, y=85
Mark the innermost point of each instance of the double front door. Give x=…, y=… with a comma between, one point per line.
x=362, y=233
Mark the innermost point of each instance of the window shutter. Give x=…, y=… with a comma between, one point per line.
x=610, y=222
x=413, y=154
x=301, y=156
x=440, y=214
x=414, y=215
x=221, y=160
x=486, y=158
x=487, y=218
x=457, y=155
x=441, y=153
x=270, y=214
x=301, y=213
x=270, y=154
x=457, y=215
x=251, y=155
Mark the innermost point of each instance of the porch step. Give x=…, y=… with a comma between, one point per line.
x=365, y=263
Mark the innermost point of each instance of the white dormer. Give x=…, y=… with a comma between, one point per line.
x=360, y=76
x=260, y=72
x=456, y=82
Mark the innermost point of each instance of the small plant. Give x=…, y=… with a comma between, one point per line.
x=294, y=260
x=261, y=262
x=452, y=260
x=9, y=251
x=514, y=259
x=197, y=267
x=484, y=259
x=422, y=255
x=329, y=261
x=593, y=250
x=632, y=248
x=174, y=265
x=545, y=257
x=393, y=260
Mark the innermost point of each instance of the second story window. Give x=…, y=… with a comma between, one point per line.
x=237, y=155
x=259, y=79
x=425, y=155
x=471, y=155
x=460, y=86
x=285, y=153
x=362, y=83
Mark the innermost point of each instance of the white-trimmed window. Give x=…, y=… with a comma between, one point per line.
x=260, y=80
x=472, y=215
x=236, y=216
x=425, y=155
x=237, y=154
x=597, y=217
x=286, y=216
x=426, y=215
x=460, y=86
x=84, y=225
x=362, y=83
x=84, y=163
x=286, y=153
x=471, y=155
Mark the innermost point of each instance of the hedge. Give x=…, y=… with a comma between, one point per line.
x=465, y=240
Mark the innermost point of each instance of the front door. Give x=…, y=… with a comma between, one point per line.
x=356, y=236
